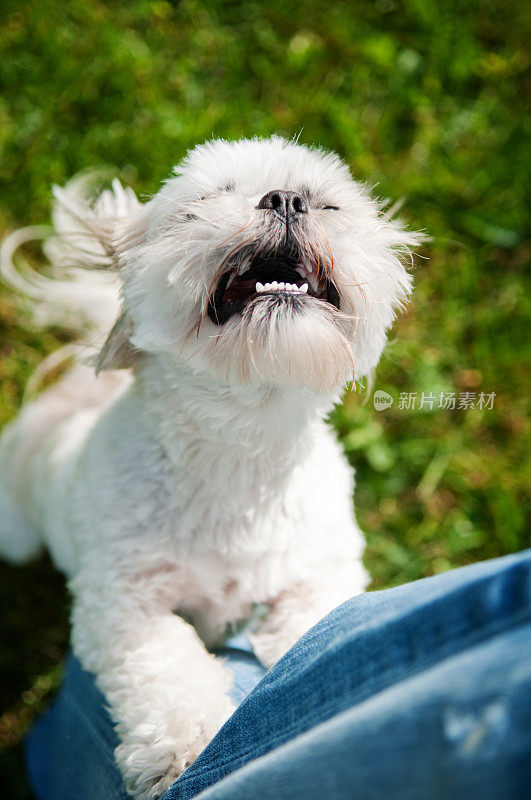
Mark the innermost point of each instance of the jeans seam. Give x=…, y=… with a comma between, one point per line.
x=102, y=745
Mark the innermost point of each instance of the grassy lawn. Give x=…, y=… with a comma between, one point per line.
x=425, y=100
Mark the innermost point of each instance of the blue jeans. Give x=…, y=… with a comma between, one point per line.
x=421, y=691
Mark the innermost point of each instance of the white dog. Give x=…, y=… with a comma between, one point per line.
x=201, y=480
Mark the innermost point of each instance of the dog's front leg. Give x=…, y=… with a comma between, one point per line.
x=167, y=694
x=302, y=605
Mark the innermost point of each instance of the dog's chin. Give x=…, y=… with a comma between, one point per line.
x=274, y=319
x=295, y=342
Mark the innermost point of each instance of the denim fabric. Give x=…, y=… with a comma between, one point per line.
x=69, y=752
x=422, y=691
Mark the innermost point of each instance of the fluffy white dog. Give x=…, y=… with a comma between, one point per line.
x=201, y=480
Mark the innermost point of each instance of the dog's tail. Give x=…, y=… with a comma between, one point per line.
x=80, y=289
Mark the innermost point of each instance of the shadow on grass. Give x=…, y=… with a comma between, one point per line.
x=34, y=635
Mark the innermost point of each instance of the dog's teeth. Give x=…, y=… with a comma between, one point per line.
x=276, y=286
x=243, y=268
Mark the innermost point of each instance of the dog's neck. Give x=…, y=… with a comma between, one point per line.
x=233, y=448
x=258, y=420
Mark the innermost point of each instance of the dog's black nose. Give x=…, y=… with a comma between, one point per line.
x=286, y=205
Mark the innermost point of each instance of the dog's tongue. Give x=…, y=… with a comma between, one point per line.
x=239, y=289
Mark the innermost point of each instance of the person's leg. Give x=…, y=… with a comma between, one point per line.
x=418, y=691
x=69, y=752
x=424, y=682
x=460, y=729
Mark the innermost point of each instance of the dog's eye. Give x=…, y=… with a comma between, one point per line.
x=228, y=187
x=330, y=208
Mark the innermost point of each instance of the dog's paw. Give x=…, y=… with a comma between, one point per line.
x=179, y=764
x=151, y=763
x=269, y=647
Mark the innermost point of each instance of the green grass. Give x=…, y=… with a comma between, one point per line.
x=423, y=99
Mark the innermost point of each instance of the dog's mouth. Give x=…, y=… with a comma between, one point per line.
x=285, y=278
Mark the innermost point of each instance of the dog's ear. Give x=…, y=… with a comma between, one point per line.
x=92, y=230
x=97, y=232
x=117, y=352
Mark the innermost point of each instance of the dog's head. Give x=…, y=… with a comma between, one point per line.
x=262, y=261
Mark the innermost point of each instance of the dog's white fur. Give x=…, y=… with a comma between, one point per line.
x=201, y=479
